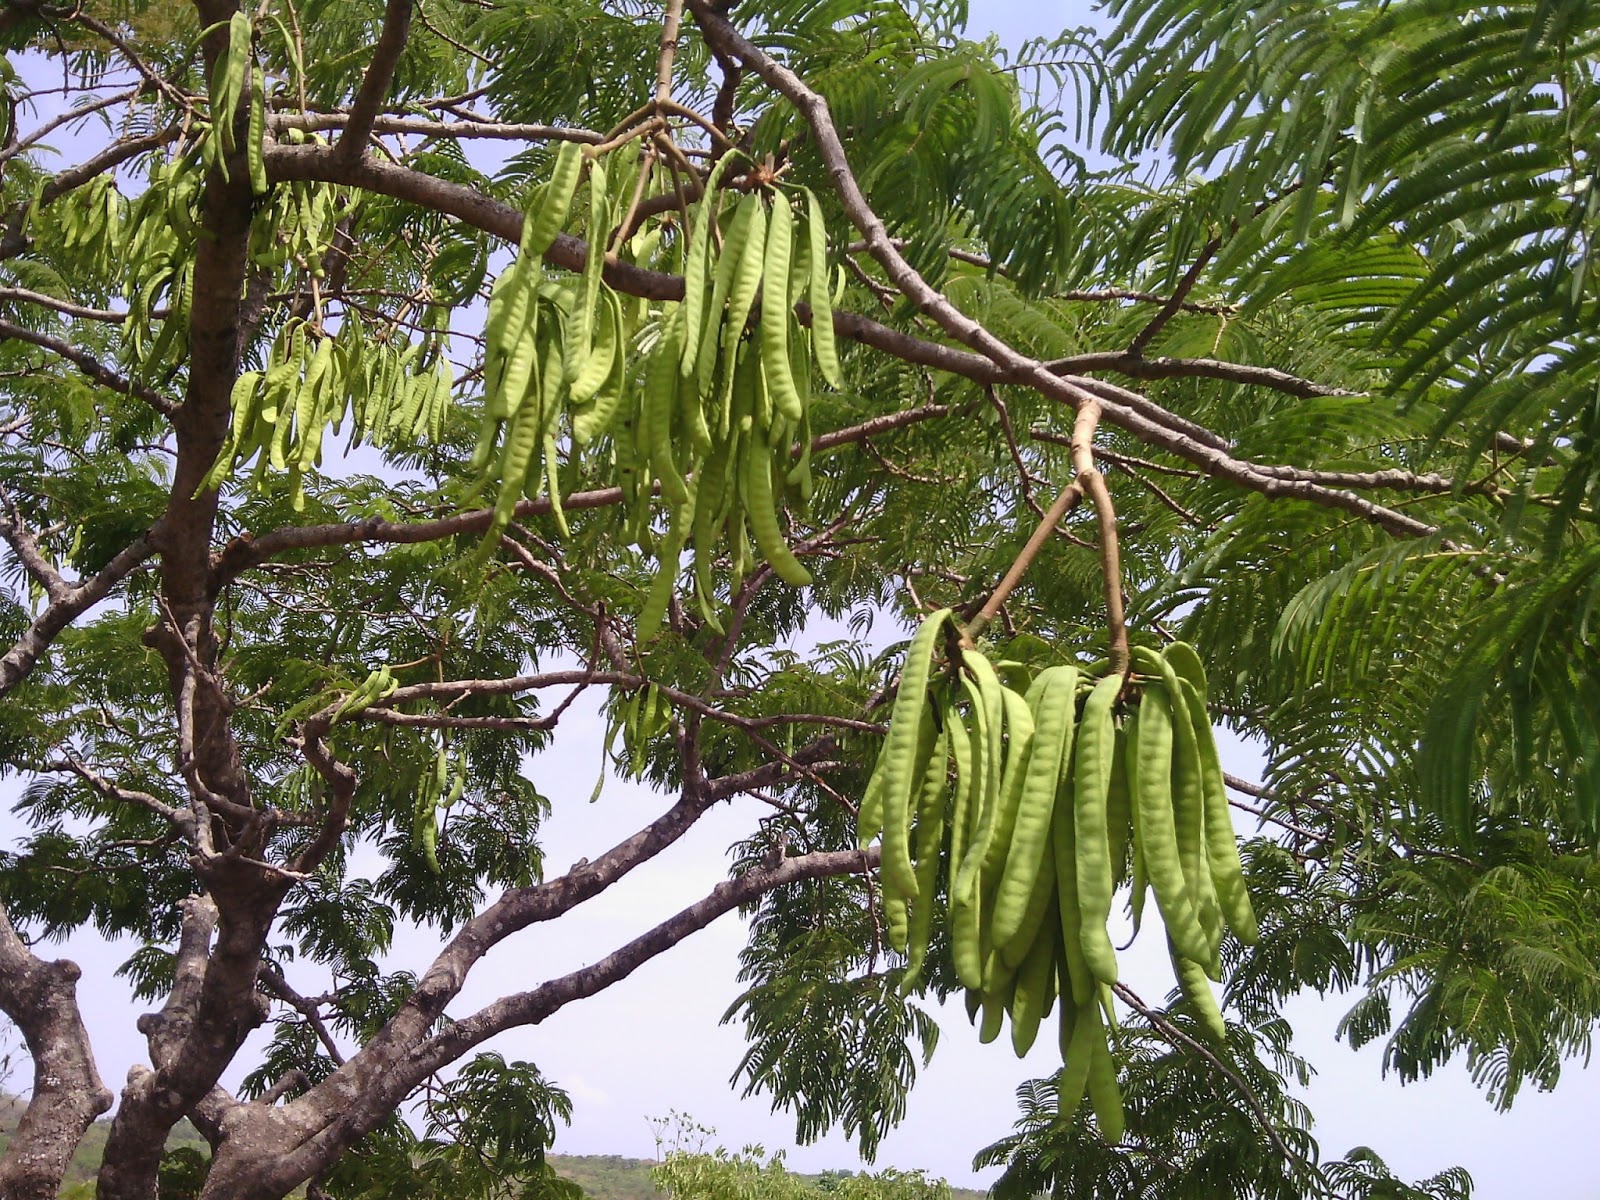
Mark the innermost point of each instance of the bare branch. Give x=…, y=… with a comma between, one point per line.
x=124, y=795
x=669, y=48
x=1114, y=295
x=66, y=118
x=65, y=307
x=533, y=1006
x=18, y=661
x=275, y=985
x=1170, y=309
x=1137, y=367
x=89, y=365
x=1064, y=503
x=374, y=89
x=1094, y=484
x=486, y=129
x=26, y=547
x=1177, y=1037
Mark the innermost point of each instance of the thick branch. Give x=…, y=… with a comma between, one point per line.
x=531, y=1007
x=40, y=998
x=355, y=1111
x=352, y=142
x=18, y=661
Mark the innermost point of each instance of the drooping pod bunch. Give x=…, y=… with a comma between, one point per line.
x=700, y=402
x=1035, y=808
x=707, y=416
x=439, y=786
x=233, y=70
x=313, y=381
x=742, y=399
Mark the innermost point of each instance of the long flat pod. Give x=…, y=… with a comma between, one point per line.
x=897, y=818
x=966, y=948
x=990, y=697
x=775, y=310
x=1091, y=786
x=1196, y=989
x=822, y=340
x=1064, y=843
x=734, y=239
x=1158, y=837
x=746, y=284
x=1041, y=904
x=1019, y=751
x=1222, y=844
x=1188, y=808
x=660, y=399
x=1086, y=1030
x=901, y=768
x=1035, y=987
x=928, y=842
x=1055, y=708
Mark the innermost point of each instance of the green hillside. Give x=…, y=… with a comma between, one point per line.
x=612, y=1177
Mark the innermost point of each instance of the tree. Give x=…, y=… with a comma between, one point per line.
x=1337, y=366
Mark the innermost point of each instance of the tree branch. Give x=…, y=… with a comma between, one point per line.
x=1177, y=1036
x=19, y=661
x=337, y=1112
x=1010, y=365
x=1170, y=309
x=352, y=143
x=40, y=998
x=243, y=552
x=1149, y=421
x=1136, y=366
x=1094, y=484
x=26, y=547
x=89, y=365
x=531, y=1007
x=489, y=130
x=1064, y=503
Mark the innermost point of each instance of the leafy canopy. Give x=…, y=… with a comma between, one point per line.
x=1321, y=269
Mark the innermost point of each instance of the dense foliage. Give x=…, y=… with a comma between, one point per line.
x=1310, y=282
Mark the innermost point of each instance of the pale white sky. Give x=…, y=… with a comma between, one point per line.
x=653, y=1043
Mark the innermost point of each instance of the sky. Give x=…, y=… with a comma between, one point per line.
x=654, y=1043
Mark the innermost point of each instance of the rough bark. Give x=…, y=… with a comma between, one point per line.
x=267, y=1152
x=214, y=1003
x=40, y=998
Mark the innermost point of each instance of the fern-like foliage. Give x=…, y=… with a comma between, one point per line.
x=1194, y=1132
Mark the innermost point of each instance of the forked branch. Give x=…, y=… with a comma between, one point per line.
x=1087, y=481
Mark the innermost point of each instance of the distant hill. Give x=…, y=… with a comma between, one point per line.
x=612, y=1177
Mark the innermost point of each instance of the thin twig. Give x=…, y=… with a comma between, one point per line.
x=1176, y=1035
